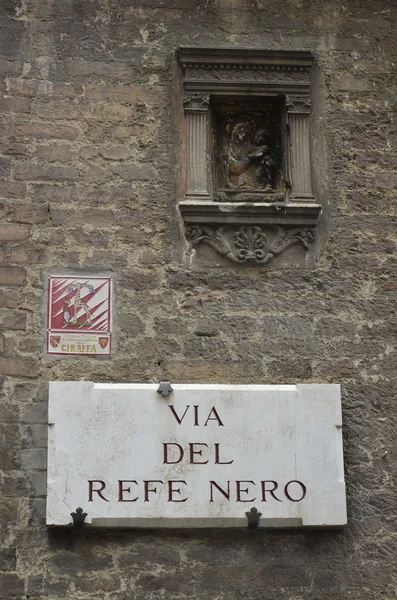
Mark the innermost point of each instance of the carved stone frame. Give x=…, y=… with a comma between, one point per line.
x=233, y=73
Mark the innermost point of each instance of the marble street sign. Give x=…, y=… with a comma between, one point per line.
x=203, y=456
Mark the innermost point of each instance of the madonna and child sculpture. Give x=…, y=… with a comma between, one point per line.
x=250, y=163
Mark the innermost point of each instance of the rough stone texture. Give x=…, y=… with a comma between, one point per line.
x=90, y=173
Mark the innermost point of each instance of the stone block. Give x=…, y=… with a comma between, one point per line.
x=38, y=510
x=106, y=260
x=14, y=104
x=89, y=195
x=107, y=153
x=47, y=131
x=350, y=83
x=37, y=435
x=99, y=582
x=12, y=275
x=95, y=173
x=27, y=254
x=298, y=369
x=117, y=71
x=133, y=172
x=33, y=459
x=87, y=561
x=284, y=22
x=164, y=553
x=23, y=212
x=56, y=153
x=14, y=148
x=35, y=586
x=106, y=111
x=11, y=586
x=11, y=66
x=351, y=43
x=42, y=88
x=39, y=483
x=30, y=171
x=330, y=327
x=131, y=324
x=34, y=413
x=11, y=36
x=12, y=189
x=121, y=93
x=8, y=511
x=17, y=486
x=29, y=344
x=386, y=180
x=8, y=9
x=8, y=560
x=10, y=232
x=12, y=320
x=9, y=459
x=5, y=165
x=18, y=366
x=98, y=217
x=9, y=300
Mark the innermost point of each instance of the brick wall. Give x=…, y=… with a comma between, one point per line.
x=89, y=173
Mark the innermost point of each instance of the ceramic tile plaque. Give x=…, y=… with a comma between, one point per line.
x=204, y=456
x=79, y=319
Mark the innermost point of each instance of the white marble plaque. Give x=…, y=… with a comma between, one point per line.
x=203, y=456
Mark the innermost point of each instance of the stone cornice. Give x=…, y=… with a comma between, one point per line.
x=237, y=71
x=231, y=58
x=275, y=213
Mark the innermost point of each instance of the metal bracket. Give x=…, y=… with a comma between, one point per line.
x=164, y=388
x=253, y=517
x=78, y=518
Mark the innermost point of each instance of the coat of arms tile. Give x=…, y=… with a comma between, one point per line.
x=79, y=315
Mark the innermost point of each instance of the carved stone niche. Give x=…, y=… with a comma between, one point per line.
x=248, y=178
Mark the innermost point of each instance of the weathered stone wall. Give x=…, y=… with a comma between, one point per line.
x=89, y=175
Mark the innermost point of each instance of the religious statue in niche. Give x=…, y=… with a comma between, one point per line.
x=250, y=163
x=248, y=151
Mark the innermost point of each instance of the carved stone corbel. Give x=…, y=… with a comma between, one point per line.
x=249, y=244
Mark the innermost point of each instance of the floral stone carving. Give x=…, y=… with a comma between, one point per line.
x=249, y=243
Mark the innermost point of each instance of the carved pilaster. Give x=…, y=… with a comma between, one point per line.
x=196, y=107
x=298, y=104
x=298, y=109
x=196, y=102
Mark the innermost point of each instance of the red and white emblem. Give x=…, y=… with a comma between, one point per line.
x=79, y=308
x=103, y=341
x=54, y=340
